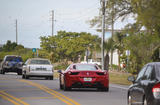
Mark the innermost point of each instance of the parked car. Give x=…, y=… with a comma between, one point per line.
x=84, y=76
x=37, y=67
x=145, y=89
x=11, y=63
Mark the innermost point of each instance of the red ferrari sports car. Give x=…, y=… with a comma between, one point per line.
x=84, y=76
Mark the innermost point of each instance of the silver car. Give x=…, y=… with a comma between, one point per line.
x=37, y=67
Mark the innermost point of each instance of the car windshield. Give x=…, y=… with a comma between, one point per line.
x=45, y=62
x=14, y=58
x=85, y=67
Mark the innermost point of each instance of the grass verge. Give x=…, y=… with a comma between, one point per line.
x=119, y=78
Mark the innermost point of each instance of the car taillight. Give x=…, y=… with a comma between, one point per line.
x=156, y=90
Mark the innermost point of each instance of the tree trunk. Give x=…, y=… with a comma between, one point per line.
x=106, y=62
x=119, y=66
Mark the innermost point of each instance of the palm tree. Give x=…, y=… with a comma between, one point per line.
x=109, y=46
x=118, y=40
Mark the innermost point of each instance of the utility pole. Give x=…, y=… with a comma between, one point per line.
x=52, y=22
x=112, y=32
x=103, y=3
x=16, y=32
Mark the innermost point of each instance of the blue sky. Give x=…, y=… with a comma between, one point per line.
x=34, y=18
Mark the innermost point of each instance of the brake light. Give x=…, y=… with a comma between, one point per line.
x=156, y=90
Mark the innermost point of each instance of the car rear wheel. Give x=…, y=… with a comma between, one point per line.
x=66, y=88
x=26, y=77
x=19, y=72
x=3, y=72
x=23, y=76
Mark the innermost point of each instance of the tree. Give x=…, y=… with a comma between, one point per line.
x=109, y=47
x=119, y=45
x=142, y=47
x=9, y=46
x=68, y=45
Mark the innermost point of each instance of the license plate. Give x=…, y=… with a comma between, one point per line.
x=87, y=79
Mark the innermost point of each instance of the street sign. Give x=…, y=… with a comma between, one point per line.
x=34, y=50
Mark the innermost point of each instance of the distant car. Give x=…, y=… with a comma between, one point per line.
x=145, y=89
x=84, y=76
x=11, y=63
x=37, y=67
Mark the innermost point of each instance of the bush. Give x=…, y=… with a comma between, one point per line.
x=114, y=67
x=61, y=67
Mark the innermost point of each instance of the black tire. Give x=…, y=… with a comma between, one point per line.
x=66, y=88
x=60, y=83
x=23, y=76
x=26, y=77
x=3, y=72
x=19, y=72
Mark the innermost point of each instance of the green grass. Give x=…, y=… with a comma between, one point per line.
x=119, y=78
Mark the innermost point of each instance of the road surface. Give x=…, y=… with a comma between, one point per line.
x=37, y=91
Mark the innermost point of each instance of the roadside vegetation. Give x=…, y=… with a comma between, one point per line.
x=141, y=39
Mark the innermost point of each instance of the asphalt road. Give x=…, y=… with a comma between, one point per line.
x=37, y=91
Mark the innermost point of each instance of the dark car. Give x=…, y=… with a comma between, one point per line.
x=84, y=76
x=11, y=63
x=145, y=89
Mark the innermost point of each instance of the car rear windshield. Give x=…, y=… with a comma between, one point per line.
x=45, y=62
x=85, y=67
x=14, y=58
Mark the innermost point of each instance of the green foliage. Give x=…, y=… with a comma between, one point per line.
x=68, y=45
x=156, y=55
x=142, y=47
x=114, y=67
x=61, y=67
x=11, y=48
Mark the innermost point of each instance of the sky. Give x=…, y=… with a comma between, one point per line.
x=34, y=19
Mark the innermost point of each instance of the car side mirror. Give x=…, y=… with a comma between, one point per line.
x=131, y=78
x=59, y=71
